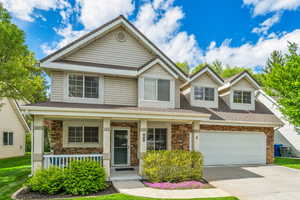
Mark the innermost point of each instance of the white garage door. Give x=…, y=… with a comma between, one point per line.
x=226, y=148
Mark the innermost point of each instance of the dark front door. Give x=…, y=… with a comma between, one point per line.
x=120, y=147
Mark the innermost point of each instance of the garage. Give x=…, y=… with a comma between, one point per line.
x=230, y=148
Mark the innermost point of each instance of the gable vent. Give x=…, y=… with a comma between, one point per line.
x=121, y=36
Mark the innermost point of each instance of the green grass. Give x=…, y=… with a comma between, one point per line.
x=128, y=197
x=288, y=162
x=13, y=172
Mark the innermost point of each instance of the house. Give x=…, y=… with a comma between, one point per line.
x=114, y=93
x=13, y=128
x=287, y=135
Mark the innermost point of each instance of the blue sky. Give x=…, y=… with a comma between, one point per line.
x=236, y=32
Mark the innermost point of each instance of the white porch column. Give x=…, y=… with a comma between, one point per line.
x=196, y=136
x=142, y=143
x=106, y=146
x=37, y=143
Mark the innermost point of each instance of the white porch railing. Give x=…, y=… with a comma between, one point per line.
x=62, y=161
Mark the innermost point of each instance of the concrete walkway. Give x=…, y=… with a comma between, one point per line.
x=136, y=188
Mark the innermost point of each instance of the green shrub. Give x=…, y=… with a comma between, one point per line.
x=84, y=177
x=49, y=181
x=172, y=166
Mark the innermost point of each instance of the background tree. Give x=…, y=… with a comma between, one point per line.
x=20, y=78
x=184, y=67
x=283, y=80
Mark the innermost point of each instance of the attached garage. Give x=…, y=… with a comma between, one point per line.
x=228, y=148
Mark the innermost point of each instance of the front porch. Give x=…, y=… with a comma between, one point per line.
x=116, y=144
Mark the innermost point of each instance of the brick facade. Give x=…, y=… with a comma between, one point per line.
x=267, y=130
x=180, y=136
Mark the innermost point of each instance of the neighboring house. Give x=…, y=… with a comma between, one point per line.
x=286, y=135
x=13, y=128
x=116, y=94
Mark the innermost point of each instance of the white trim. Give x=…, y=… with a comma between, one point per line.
x=16, y=108
x=244, y=75
x=113, y=143
x=154, y=62
x=80, y=68
x=240, y=123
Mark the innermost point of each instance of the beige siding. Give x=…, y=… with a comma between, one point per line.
x=178, y=83
x=57, y=86
x=157, y=70
x=10, y=122
x=108, y=50
x=120, y=91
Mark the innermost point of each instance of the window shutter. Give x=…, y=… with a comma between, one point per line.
x=5, y=138
x=163, y=90
x=11, y=138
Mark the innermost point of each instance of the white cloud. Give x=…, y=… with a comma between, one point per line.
x=250, y=55
x=95, y=13
x=267, y=24
x=24, y=9
x=265, y=6
x=160, y=22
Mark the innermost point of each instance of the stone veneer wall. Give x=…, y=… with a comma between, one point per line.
x=133, y=139
x=55, y=134
x=267, y=130
x=180, y=136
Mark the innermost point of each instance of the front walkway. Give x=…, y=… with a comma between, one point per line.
x=136, y=188
x=256, y=182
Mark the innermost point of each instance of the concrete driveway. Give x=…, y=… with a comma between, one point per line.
x=256, y=182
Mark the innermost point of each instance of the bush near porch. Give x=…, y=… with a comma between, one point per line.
x=172, y=165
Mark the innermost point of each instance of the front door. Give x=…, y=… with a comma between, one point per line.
x=120, y=147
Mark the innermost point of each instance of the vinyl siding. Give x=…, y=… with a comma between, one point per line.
x=120, y=91
x=57, y=86
x=108, y=50
x=10, y=122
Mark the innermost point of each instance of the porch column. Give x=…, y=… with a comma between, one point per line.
x=106, y=146
x=142, y=143
x=196, y=136
x=37, y=143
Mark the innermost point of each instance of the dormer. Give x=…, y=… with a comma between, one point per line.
x=202, y=88
x=239, y=91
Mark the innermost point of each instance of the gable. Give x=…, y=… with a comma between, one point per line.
x=243, y=84
x=205, y=80
x=157, y=71
x=109, y=50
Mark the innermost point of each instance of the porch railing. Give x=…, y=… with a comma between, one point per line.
x=63, y=161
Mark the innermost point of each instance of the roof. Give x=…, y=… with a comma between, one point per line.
x=14, y=104
x=235, y=78
x=91, y=35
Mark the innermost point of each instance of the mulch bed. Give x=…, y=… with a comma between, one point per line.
x=26, y=194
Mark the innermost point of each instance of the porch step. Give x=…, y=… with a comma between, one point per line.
x=125, y=178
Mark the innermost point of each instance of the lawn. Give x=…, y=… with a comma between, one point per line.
x=13, y=172
x=288, y=162
x=128, y=197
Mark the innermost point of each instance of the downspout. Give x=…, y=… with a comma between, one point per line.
x=32, y=144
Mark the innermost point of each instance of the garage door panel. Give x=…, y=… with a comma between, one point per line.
x=226, y=148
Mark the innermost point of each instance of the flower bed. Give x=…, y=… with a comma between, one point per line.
x=180, y=185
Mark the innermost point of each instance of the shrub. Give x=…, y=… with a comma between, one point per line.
x=48, y=181
x=84, y=177
x=172, y=166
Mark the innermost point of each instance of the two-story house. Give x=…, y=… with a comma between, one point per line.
x=115, y=94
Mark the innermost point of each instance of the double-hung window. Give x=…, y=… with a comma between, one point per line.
x=204, y=93
x=156, y=89
x=83, y=134
x=157, y=139
x=242, y=97
x=8, y=138
x=83, y=86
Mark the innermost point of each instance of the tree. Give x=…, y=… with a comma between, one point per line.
x=198, y=67
x=20, y=78
x=184, y=67
x=283, y=80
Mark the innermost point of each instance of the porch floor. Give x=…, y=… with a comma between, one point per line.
x=124, y=175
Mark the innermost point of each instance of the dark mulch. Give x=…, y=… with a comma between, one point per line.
x=26, y=194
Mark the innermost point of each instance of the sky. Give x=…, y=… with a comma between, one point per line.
x=235, y=32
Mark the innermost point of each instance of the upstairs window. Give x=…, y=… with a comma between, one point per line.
x=8, y=138
x=157, y=89
x=242, y=97
x=204, y=93
x=83, y=134
x=83, y=86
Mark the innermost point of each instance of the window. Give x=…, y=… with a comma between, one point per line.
x=83, y=86
x=204, y=93
x=157, y=89
x=157, y=139
x=8, y=138
x=242, y=97
x=83, y=134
